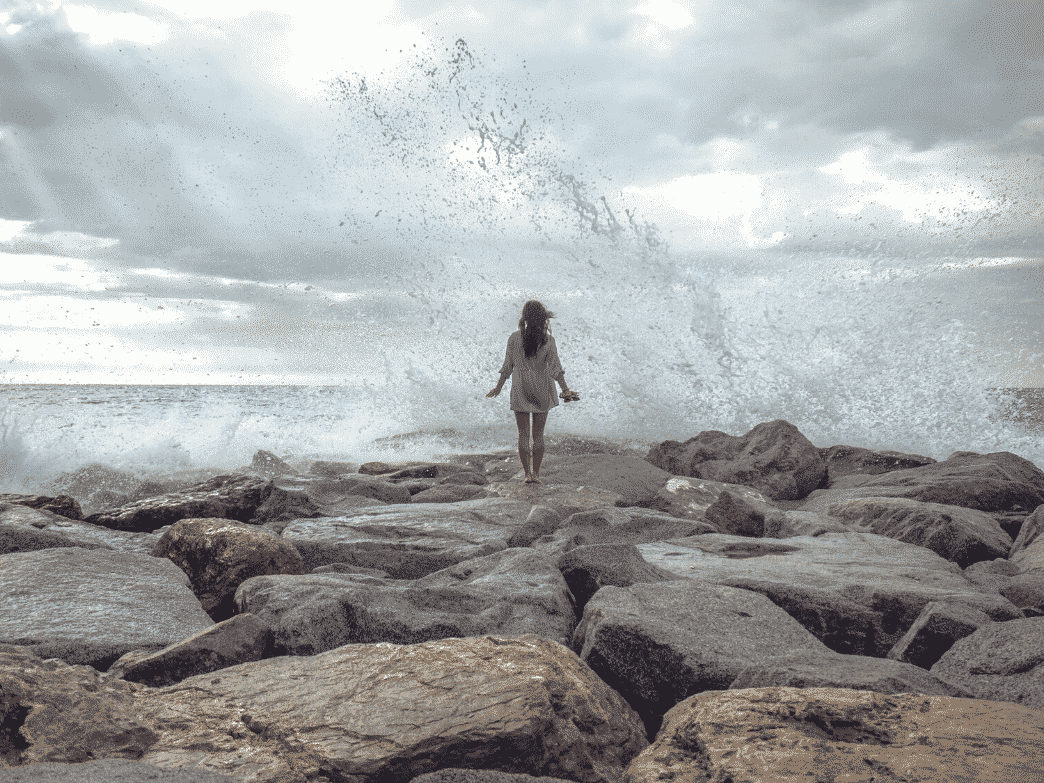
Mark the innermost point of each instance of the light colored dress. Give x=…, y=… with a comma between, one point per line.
x=533, y=378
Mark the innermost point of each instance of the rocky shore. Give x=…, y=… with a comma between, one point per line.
x=727, y=608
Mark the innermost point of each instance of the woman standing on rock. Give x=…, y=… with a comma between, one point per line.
x=532, y=362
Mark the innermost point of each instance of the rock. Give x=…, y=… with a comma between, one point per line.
x=508, y=593
x=329, y=469
x=616, y=526
x=229, y=497
x=381, y=468
x=1026, y=590
x=458, y=775
x=541, y=521
x=375, y=488
x=1030, y=558
x=218, y=555
x=465, y=477
x=346, y=568
x=841, y=586
x=788, y=524
x=107, y=771
x=565, y=496
x=689, y=498
x=829, y=669
x=283, y=506
x=24, y=529
x=843, y=736
x=961, y=535
x=992, y=574
x=589, y=568
x=1000, y=662
x=774, y=458
x=63, y=505
x=375, y=712
x=854, y=461
x=1000, y=481
x=738, y=516
x=53, y=712
x=657, y=644
x=1031, y=530
x=937, y=628
x=631, y=477
x=239, y=639
x=268, y=464
x=90, y=606
x=450, y=493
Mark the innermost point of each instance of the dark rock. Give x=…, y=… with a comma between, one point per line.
x=852, y=460
x=738, y=516
x=450, y=493
x=63, y=505
x=229, y=497
x=509, y=593
x=589, y=568
x=774, y=458
x=616, y=526
x=657, y=644
x=285, y=506
x=218, y=555
x=239, y=639
x=961, y=535
x=939, y=626
x=999, y=662
x=268, y=464
x=541, y=521
x=376, y=488
x=1031, y=530
x=328, y=469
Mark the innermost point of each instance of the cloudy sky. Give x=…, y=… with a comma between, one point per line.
x=234, y=190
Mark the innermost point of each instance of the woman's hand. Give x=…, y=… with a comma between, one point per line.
x=494, y=392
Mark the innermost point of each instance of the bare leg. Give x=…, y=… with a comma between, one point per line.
x=539, y=420
x=522, y=420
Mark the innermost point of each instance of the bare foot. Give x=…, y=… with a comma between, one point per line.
x=531, y=480
x=536, y=480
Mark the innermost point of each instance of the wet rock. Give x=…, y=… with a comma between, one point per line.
x=239, y=639
x=218, y=555
x=616, y=526
x=409, y=540
x=331, y=469
x=229, y=497
x=366, y=486
x=937, y=628
x=774, y=458
x=376, y=712
x=92, y=606
x=850, y=578
x=588, y=568
x=657, y=644
x=509, y=593
x=53, y=712
x=854, y=461
x=267, y=464
x=632, y=478
x=961, y=535
x=738, y=515
x=841, y=735
x=450, y=493
x=63, y=505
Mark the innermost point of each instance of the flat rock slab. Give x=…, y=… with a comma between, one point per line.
x=892, y=581
x=999, y=661
x=381, y=712
x=961, y=535
x=631, y=477
x=409, y=540
x=659, y=643
x=25, y=529
x=90, y=606
x=842, y=736
x=557, y=495
x=508, y=593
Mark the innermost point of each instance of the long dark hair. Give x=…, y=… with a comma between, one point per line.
x=534, y=326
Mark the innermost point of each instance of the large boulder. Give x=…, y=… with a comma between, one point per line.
x=961, y=535
x=63, y=505
x=511, y=592
x=90, y=606
x=857, y=592
x=382, y=712
x=843, y=736
x=1000, y=481
x=659, y=643
x=409, y=540
x=218, y=555
x=53, y=712
x=229, y=497
x=999, y=661
x=844, y=461
x=774, y=458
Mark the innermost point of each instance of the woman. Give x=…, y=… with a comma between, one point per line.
x=532, y=362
